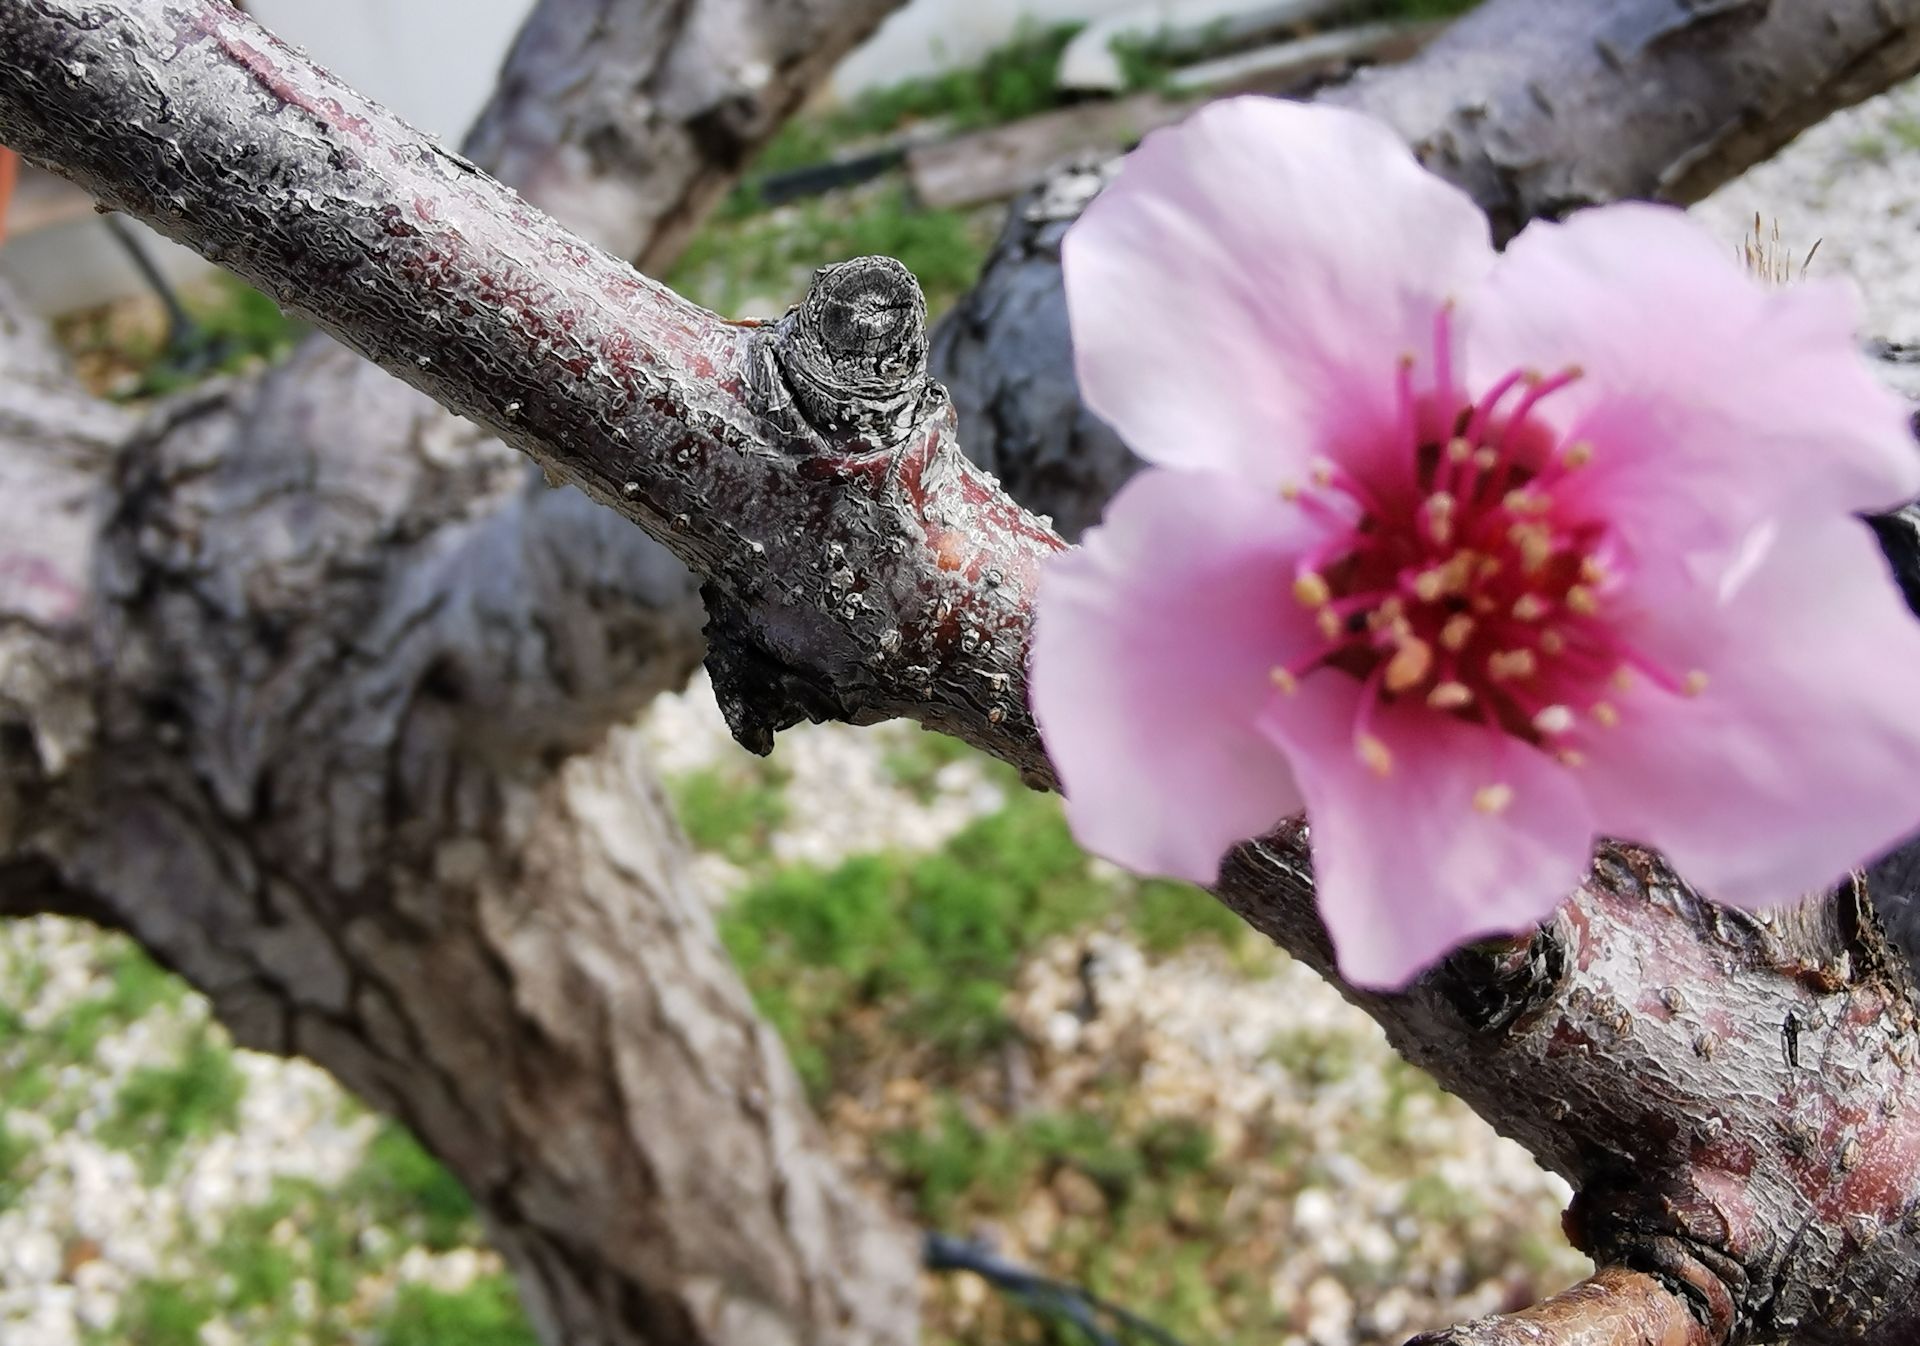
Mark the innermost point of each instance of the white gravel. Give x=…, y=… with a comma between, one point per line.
x=1851, y=184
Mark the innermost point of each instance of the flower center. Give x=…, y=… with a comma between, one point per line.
x=1476, y=584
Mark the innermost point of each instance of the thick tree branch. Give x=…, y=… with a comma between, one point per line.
x=651, y=405
x=1615, y=1308
x=627, y=121
x=1535, y=107
x=1731, y=1097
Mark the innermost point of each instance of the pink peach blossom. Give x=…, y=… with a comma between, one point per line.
x=1475, y=557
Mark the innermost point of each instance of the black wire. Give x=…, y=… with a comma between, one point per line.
x=1072, y=1303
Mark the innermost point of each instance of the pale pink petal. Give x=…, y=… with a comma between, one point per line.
x=1801, y=758
x=1241, y=293
x=1153, y=648
x=1712, y=402
x=1408, y=866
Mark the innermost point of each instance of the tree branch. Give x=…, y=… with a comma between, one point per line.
x=1534, y=107
x=1730, y=1096
x=618, y=118
x=1615, y=1308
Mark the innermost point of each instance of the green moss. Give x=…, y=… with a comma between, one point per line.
x=404, y=1186
x=953, y=1160
x=159, y=1108
x=1013, y=81
x=930, y=941
x=15, y=1154
x=1316, y=1056
x=162, y=1313
x=1870, y=147
x=768, y=259
x=917, y=761
x=136, y=985
x=955, y=1163
x=257, y=1266
x=1169, y=916
x=233, y=326
x=731, y=812
x=486, y=1313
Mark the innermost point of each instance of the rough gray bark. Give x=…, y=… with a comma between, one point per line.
x=327, y=701
x=313, y=658
x=1535, y=109
x=1738, y=1188
x=630, y=121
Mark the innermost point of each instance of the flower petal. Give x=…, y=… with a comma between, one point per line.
x=1712, y=401
x=1410, y=866
x=1152, y=652
x=1801, y=758
x=1240, y=294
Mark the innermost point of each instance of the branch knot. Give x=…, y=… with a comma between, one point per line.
x=854, y=350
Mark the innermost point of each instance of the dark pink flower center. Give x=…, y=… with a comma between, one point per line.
x=1470, y=576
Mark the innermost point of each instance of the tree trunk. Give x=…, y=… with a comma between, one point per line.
x=314, y=658
x=316, y=698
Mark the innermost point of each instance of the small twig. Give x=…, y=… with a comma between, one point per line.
x=1616, y=1307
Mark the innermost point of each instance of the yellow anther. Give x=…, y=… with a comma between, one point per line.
x=1458, y=450
x=1310, y=590
x=1290, y=491
x=1553, y=720
x=1571, y=757
x=1505, y=664
x=1622, y=677
x=1391, y=615
x=1457, y=632
x=1428, y=585
x=1535, y=544
x=1409, y=666
x=1578, y=454
x=1580, y=599
x=1529, y=608
x=1374, y=754
x=1450, y=696
x=1592, y=569
x=1523, y=501
x=1552, y=642
x=1322, y=474
x=1696, y=683
x=1284, y=680
x=1493, y=798
x=1329, y=623
x=1604, y=714
x=1484, y=459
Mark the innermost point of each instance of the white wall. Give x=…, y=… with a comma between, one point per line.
x=931, y=35
x=432, y=61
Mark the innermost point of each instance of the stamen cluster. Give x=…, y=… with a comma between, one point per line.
x=1475, y=584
